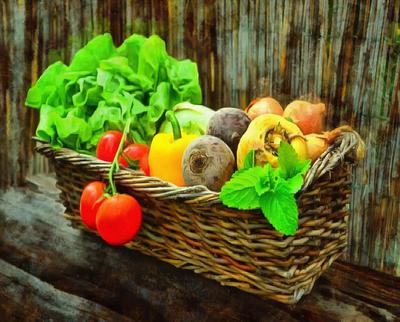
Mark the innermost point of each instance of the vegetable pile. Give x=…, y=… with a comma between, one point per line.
x=104, y=86
x=135, y=106
x=271, y=189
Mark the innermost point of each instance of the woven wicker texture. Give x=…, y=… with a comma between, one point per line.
x=189, y=227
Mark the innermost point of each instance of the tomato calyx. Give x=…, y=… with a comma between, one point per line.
x=132, y=163
x=104, y=196
x=135, y=156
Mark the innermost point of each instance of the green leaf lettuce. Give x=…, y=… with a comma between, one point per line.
x=104, y=86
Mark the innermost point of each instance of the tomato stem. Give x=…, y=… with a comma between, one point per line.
x=115, y=165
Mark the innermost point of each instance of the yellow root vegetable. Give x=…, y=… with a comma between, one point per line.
x=264, y=136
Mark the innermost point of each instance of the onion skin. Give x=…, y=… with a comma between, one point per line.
x=263, y=105
x=309, y=117
x=316, y=145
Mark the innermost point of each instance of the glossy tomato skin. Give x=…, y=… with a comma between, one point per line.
x=136, y=152
x=144, y=164
x=119, y=219
x=108, y=145
x=90, y=202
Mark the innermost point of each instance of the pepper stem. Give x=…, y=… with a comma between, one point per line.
x=176, y=129
x=115, y=165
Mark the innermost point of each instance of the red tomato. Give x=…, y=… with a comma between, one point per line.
x=108, y=145
x=90, y=203
x=136, y=152
x=118, y=219
x=144, y=164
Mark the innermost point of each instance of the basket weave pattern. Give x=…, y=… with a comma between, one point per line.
x=189, y=227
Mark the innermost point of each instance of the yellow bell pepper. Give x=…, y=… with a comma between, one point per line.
x=166, y=153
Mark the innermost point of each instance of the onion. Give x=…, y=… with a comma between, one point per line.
x=310, y=118
x=263, y=105
x=318, y=143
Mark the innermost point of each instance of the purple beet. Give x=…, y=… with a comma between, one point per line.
x=229, y=124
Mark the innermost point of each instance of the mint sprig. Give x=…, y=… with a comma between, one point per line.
x=271, y=189
x=240, y=191
x=289, y=163
x=249, y=160
x=280, y=209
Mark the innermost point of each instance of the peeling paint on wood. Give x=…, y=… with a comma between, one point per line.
x=345, y=53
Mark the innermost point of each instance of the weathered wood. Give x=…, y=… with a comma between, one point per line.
x=24, y=297
x=346, y=53
x=36, y=239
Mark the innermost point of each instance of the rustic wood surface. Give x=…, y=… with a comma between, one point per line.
x=346, y=53
x=49, y=270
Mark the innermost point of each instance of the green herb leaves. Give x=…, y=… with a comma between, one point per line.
x=289, y=163
x=104, y=86
x=280, y=208
x=240, y=192
x=249, y=160
x=268, y=188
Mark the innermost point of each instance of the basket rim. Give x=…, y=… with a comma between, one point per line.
x=344, y=144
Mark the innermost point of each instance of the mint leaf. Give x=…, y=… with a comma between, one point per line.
x=303, y=166
x=280, y=209
x=262, y=186
x=295, y=183
x=273, y=175
x=249, y=160
x=269, y=180
x=239, y=192
x=289, y=162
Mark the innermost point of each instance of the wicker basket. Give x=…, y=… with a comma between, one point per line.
x=189, y=227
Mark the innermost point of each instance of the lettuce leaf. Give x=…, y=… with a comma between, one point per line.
x=105, y=85
x=46, y=87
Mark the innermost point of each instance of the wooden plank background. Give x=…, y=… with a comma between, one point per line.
x=345, y=53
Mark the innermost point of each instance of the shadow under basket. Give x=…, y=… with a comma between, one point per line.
x=189, y=227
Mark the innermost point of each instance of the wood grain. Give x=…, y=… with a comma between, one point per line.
x=24, y=297
x=345, y=53
x=51, y=263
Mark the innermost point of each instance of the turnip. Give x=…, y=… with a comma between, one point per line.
x=207, y=161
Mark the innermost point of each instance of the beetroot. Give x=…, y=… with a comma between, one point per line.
x=207, y=161
x=229, y=124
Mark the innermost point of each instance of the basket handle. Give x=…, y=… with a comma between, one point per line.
x=337, y=151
